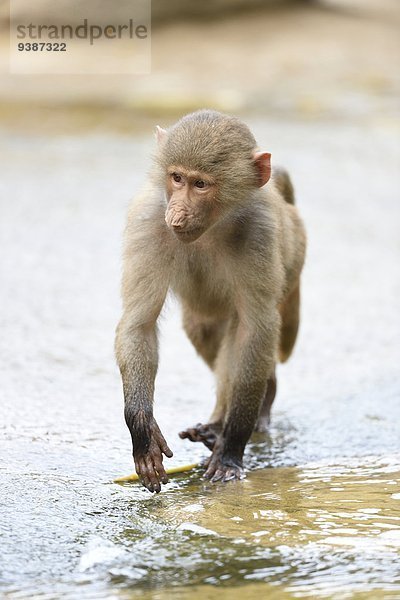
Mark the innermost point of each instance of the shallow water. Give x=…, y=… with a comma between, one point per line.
x=319, y=512
x=319, y=530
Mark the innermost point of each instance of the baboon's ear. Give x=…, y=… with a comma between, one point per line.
x=161, y=135
x=262, y=160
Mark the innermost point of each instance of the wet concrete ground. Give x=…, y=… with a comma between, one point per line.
x=319, y=513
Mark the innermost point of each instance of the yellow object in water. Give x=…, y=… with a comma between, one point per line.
x=171, y=471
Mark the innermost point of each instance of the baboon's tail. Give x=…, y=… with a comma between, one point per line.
x=283, y=183
x=290, y=313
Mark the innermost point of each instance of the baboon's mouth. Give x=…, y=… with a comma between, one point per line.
x=190, y=235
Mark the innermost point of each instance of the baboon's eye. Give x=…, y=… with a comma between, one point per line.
x=176, y=177
x=200, y=184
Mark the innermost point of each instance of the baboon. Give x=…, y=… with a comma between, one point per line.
x=232, y=251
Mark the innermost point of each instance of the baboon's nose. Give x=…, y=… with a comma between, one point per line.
x=176, y=223
x=178, y=227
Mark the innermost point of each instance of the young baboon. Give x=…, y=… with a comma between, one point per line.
x=232, y=251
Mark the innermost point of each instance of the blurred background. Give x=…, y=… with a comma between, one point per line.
x=335, y=59
x=318, y=83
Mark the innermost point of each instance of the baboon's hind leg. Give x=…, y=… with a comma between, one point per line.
x=206, y=336
x=264, y=416
x=290, y=312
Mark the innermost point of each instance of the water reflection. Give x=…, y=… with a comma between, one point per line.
x=316, y=530
x=311, y=531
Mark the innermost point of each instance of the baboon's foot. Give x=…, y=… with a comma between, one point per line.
x=206, y=433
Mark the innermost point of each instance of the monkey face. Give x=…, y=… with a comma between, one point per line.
x=192, y=206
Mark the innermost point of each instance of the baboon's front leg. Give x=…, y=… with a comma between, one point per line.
x=254, y=351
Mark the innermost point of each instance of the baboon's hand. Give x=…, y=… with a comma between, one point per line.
x=149, y=465
x=223, y=468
